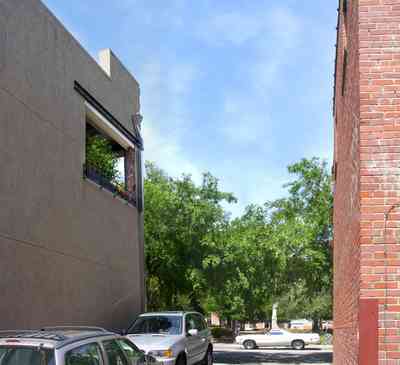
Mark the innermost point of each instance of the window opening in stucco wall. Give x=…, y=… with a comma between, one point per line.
x=109, y=164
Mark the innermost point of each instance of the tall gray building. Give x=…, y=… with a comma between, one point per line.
x=71, y=238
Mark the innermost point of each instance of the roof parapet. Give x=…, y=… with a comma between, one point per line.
x=112, y=66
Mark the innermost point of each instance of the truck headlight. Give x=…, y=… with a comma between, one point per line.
x=161, y=353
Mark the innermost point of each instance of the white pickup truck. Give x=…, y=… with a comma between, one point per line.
x=173, y=338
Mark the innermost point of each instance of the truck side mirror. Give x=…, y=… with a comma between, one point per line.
x=193, y=332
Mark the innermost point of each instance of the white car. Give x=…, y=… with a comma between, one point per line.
x=278, y=338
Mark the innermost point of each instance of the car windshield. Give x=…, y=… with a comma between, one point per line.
x=11, y=355
x=168, y=325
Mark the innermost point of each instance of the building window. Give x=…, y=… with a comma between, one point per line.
x=345, y=62
x=112, y=152
x=105, y=159
x=110, y=159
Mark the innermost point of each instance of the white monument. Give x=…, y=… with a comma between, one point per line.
x=274, y=324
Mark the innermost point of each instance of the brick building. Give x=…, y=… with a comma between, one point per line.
x=71, y=239
x=367, y=183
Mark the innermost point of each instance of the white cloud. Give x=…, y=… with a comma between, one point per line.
x=241, y=121
x=181, y=77
x=153, y=14
x=241, y=28
x=167, y=153
x=165, y=88
x=275, y=49
x=268, y=38
x=234, y=27
x=256, y=188
x=263, y=43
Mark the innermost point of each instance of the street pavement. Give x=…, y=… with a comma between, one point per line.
x=235, y=354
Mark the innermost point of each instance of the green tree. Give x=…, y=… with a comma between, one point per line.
x=301, y=222
x=182, y=220
x=100, y=155
x=245, y=268
x=297, y=303
x=278, y=253
x=197, y=258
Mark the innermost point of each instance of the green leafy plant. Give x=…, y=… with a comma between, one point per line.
x=100, y=155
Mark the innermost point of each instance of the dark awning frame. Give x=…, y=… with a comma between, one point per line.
x=135, y=139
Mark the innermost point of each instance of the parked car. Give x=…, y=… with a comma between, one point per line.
x=278, y=337
x=175, y=338
x=69, y=346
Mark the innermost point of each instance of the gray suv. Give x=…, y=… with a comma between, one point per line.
x=69, y=346
x=174, y=338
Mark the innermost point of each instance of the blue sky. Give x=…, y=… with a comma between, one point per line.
x=236, y=87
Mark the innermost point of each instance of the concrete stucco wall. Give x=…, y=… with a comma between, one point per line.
x=70, y=253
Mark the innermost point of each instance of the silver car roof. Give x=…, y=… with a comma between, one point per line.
x=168, y=313
x=54, y=338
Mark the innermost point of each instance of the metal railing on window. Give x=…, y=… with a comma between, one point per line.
x=118, y=190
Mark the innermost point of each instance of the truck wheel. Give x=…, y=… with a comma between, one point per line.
x=249, y=345
x=208, y=358
x=181, y=360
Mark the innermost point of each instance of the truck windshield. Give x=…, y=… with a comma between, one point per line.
x=168, y=325
x=12, y=355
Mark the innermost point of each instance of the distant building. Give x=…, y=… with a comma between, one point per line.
x=71, y=240
x=214, y=319
x=366, y=176
x=252, y=326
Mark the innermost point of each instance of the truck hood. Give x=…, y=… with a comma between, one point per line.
x=150, y=342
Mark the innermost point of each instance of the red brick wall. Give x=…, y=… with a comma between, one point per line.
x=367, y=153
x=380, y=162
x=347, y=196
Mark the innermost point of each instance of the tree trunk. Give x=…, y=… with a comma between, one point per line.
x=316, y=325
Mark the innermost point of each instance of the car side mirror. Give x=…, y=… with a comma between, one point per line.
x=193, y=332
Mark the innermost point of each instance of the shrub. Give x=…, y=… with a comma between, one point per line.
x=326, y=339
x=221, y=332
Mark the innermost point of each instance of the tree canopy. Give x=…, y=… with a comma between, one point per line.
x=199, y=258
